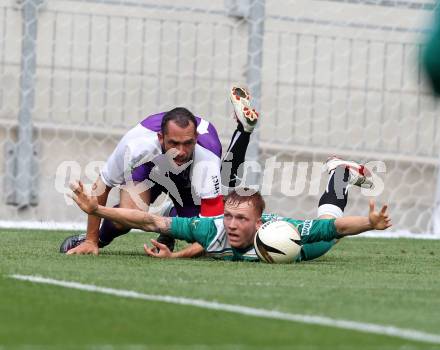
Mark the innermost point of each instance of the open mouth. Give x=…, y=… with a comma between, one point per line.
x=180, y=161
x=233, y=237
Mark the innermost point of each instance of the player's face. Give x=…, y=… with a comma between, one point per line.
x=241, y=222
x=183, y=140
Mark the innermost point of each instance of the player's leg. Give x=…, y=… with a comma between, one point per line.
x=333, y=201
x=110, y=230
x=343, y=174
x=247, y=119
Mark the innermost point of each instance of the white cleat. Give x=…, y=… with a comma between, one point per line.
x=359, y=174
x=241, y=100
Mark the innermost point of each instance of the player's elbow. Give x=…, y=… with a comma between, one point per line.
x=341, y=227
x=119, y=226
x=342, y=230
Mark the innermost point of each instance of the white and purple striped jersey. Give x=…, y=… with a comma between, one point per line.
x=139, y=150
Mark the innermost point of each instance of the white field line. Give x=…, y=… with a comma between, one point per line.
x=81, y=226
x=408, y=334
x=43, y=225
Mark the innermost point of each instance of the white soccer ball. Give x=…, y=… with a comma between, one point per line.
x=277, y=242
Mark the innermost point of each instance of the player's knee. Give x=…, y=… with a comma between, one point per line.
x=119, y=226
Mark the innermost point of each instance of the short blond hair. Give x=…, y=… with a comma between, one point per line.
x=240, y=195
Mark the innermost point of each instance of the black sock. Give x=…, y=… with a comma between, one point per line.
x=235, y=156
x=336, y=193
x=108, y=232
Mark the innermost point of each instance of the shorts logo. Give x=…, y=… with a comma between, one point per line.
x=216, y=183
x=306, y=227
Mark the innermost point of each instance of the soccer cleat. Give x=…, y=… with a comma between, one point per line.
x=167, y=240
x=245, y=115
x=72, y=242
x=359, y=174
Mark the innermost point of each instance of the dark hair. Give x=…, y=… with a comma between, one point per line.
x=244, y=194
x=179, y=115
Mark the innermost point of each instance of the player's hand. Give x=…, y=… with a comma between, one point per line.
x=158, y=250
x=86, y=247
x=88, y=204
x=379, y=220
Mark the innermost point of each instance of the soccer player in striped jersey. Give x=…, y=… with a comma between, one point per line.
x=173, y=152
x=231, y=236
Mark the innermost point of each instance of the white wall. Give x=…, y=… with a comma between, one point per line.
x=338, y=77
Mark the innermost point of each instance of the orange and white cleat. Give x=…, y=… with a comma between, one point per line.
x=359, y=174
x=245, y=114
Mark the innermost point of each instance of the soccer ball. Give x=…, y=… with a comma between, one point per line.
x=277, y=242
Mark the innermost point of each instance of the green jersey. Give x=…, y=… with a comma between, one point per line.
x=210, y=233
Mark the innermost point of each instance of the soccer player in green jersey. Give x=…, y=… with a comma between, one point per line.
x=230, y=237
x=332, y=203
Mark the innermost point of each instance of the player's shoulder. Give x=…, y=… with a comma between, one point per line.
x=265, y=217
x=299, y=224
x=207, y=153
x=208, y=138
x=153, y=122
x=203, y=220
x=216, y=221
x=217, y=239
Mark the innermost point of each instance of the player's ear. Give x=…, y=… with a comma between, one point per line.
x=196, y=133
x=258, y=224
x=160, y=137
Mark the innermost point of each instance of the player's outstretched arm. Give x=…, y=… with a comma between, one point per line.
x=159, y=250
x=353, y=225
x=127, y=217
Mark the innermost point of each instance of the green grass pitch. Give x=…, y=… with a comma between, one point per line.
x=386, y=282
